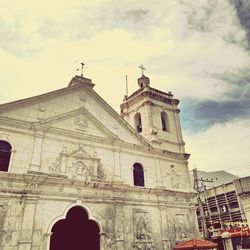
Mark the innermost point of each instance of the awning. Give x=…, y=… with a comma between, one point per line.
x=195, y=244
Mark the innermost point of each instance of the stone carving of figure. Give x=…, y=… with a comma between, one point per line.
x=55, y=167
x=100, y=172
x=80, y=171
x=174, y=179
x=142, y=229
x=180, y=228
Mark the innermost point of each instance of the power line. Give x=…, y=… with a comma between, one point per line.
x=239, y=166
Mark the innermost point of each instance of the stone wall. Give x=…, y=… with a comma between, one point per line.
x=129, y=217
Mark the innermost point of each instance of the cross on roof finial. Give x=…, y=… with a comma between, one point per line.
x=142, y=69
x=82, y=69
x=82, y=64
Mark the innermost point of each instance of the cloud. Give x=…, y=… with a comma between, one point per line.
x=222, y=146
x=243, y=11
x=200, y=115
x=241, y=77
x=234, y=104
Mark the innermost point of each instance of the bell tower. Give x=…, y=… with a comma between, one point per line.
x=154, y=115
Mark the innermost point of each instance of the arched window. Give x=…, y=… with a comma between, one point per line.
x=5, y=152
x=138, y=125
x=164, y=121
x=138, y=175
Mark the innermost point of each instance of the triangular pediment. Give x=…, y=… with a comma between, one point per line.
x=81, y=153
x=80, y=121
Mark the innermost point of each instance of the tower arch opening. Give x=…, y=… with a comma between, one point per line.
x=164, y=121
x=138, y=123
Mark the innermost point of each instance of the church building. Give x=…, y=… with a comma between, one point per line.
x=74, y=174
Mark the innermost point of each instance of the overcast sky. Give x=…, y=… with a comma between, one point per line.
x=198, y=49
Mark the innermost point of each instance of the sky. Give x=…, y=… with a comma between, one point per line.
x=199, y=50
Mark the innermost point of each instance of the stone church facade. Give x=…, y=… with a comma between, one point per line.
x=68, y=150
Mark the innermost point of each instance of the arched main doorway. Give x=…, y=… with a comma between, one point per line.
x=75, y=232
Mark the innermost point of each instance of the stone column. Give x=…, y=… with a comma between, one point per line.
x=102, y=241
x=37, y=152
x=47, y=238
x=119, y=226
x=25, y=240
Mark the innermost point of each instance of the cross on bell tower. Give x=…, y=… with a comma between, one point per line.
x=142, y=69
x=143, y=81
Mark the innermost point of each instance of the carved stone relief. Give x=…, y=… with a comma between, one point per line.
x=42, y=108
x=109, y=243
x=80, y=171
x=142, y=230
x=33, y=186
x=100, y=171
x=180, y=227
x=82, y=98
x=173, y=179
x=3, y=213
x=4, y=136
x=81, y=123
x=55, y=167
x=78, y=165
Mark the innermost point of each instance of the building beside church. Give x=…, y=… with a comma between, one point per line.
x=224, y=211
x=75, y=173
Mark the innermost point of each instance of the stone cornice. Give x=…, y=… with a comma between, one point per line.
x=15, y=123
x=48, y=132
x=150, y=93
x=38, y=98
x=47, y=185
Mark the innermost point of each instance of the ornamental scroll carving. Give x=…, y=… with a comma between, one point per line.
x=81, y=123
x=142, y=230
x=77, y=165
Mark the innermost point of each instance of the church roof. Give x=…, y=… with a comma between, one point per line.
x=196, y=244
x=75, y=85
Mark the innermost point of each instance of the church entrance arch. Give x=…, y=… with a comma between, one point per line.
x=76, y=232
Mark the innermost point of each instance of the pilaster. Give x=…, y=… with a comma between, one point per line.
x=164, y=228
x=37, y=151
x=119, y=226
x=25, y=240
x=117, y=165
x=178, y=130
x=159, y=182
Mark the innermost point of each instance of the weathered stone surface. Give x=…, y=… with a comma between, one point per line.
x=69, y=148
